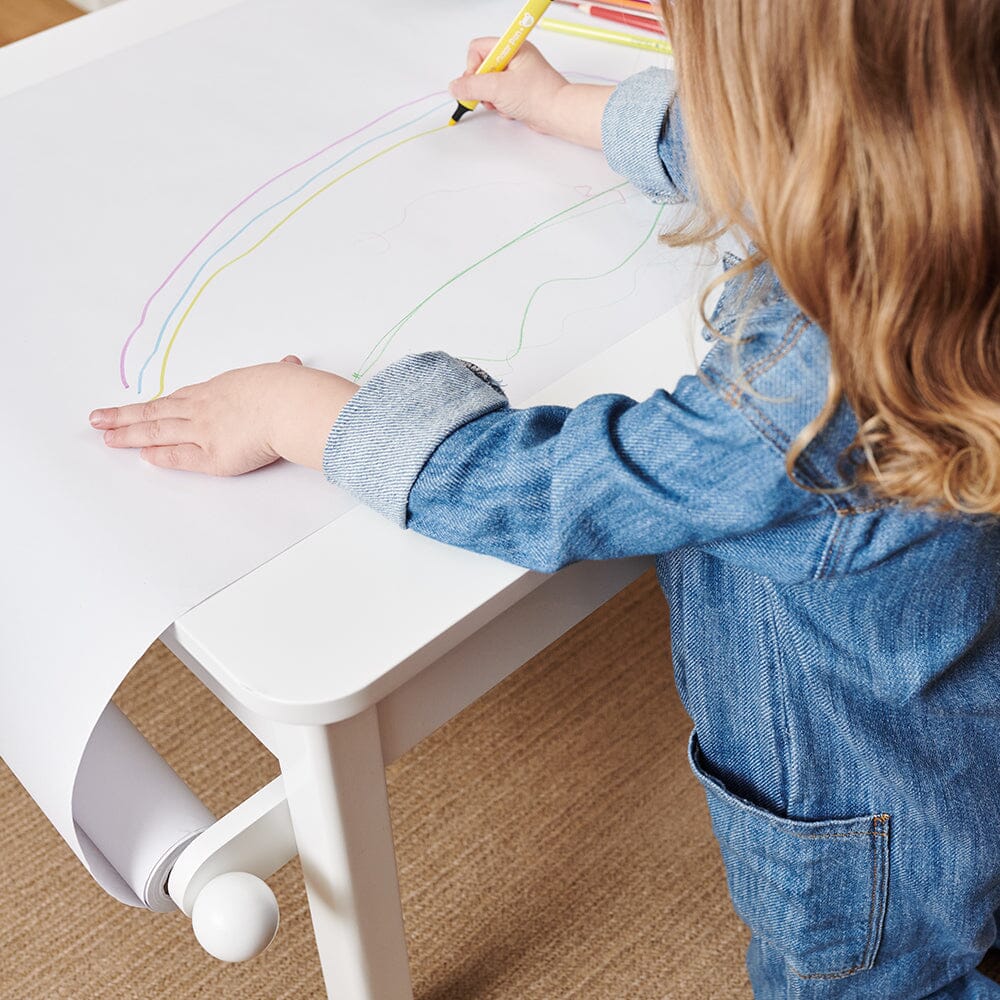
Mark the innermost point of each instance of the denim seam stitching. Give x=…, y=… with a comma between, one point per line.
x=868, y=508
x=785, y=755
x=841, y=974
x=762, y=365
x=791, y=337
x=829, y=549
x=877, y=881
x=774, y=436
x=791, y=790
x=730, y=393
x=760, y=422
x=881, y=874
x=757, y=419
x=831, y=836
x=839, y=549
x=781, y=441
x=871, y=906
x=879, y=871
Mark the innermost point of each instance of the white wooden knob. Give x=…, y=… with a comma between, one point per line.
x=235, y=916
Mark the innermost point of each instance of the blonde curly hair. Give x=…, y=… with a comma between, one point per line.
x=857, y=144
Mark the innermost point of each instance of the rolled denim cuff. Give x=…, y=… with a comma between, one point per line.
x=391, y=426
x=632, y=127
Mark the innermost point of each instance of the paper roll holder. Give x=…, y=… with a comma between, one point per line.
x=218, y=879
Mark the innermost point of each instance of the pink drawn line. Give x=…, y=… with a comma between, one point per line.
x=240, y=204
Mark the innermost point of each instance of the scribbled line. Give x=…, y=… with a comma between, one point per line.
x=606, y=305
x=437, y=193
x=382, y=233
x=382, y=344
x=588, y=277
x=298, y=208
x=239, y=205
x=215, y=253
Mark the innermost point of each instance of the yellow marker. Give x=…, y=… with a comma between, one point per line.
x=607, y=35
x=506, y=48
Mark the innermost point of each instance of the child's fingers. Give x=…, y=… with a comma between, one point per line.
x=479, y=49
x=484, y=87
x=151, y=432
x=189, y=457
x=134, y=413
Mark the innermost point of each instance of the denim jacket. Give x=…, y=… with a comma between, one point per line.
x=817, y=637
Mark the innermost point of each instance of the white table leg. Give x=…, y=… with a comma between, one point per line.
x=335, y=783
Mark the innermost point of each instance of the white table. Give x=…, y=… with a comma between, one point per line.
x=334, y=715
x=301, y=651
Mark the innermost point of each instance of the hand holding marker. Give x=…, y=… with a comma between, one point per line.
x=506, y=47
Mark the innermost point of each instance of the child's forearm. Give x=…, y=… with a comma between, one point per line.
x=577, y=112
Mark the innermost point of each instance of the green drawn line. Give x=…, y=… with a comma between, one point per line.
x=552, y=281
x=382, y=344
x=268, y=234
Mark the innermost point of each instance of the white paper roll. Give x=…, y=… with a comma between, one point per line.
x=135, y=809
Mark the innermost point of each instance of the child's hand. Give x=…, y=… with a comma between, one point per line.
x=234, y=423
x=526, y=90
x=531, y=91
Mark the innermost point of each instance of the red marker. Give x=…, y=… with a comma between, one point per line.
x=640, y=6
x=622, y=17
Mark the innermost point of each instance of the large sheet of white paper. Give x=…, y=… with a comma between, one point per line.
x=273, y=178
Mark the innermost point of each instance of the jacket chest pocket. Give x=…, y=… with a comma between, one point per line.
x=815, y=891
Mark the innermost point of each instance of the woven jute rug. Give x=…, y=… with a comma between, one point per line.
x=551, y=842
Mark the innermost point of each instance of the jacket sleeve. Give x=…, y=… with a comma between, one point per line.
x=642, y=133
x=434, y=445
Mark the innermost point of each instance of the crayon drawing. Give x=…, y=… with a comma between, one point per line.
x=260, y=215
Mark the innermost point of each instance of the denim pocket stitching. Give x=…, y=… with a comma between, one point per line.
x=876, y=914
x=879, y=838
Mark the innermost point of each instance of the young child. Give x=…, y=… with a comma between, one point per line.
x=822, y=497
